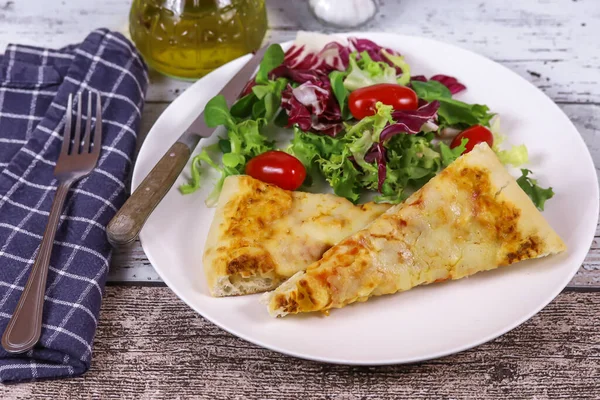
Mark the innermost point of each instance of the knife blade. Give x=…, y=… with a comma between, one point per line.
x=127, y=223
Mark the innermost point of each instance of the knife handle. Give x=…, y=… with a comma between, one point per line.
x=129, y=220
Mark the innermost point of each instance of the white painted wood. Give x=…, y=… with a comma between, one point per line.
x=555, y=38
x=551, y=43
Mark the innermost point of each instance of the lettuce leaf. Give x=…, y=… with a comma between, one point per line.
x=462, y=115
x=195, y=179
x=449, y=155
x=399, y=62
x=361, y=137
x=330, y=157
x=366, y=72
x=536, y=193
x=341, y=93
x=308, y=147
x=264, y=97
x=452, y=112
x=431, y=90
x=375, y=123
x=342, y=175
x=514, y=155
x=244, y=141
x=411, y=162
x=272, y=59
x=217, y=113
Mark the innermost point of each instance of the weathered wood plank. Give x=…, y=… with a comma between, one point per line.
x=556, y=39
x=150, y=345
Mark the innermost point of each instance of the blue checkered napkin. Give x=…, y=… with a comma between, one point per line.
x=34, y=86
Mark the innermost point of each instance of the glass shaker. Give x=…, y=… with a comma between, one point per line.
x=343, y=14
x=189, y=38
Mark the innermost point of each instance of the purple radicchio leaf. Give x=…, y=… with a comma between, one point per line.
x=331, y=57
x=297, y=113
x=378, y=153
x=420, y=78
x=312, y=96
x=313, y=109
x=450, y=82
x=410, y=122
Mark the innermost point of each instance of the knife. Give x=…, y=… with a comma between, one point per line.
x=129, y=220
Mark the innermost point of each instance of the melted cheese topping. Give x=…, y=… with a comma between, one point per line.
x=472, y=217
x=263, y=232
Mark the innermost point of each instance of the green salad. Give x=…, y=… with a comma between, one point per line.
x=357, y=118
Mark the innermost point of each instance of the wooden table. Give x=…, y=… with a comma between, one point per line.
x=150, y=345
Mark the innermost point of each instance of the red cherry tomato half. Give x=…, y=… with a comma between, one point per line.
x=362, y=101
x=476, y=134
x=278, y=168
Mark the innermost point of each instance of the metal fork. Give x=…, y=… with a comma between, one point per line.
x=78, y=157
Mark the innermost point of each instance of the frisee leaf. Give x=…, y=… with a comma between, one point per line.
x=342, y=175
x=194, y=181
x=399, y=61
x=244, y=141
x=309, y=147
x=514, y=155
x=366, y=72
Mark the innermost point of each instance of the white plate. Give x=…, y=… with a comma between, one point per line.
x=423, y=323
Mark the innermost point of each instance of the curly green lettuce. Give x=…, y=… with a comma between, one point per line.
x=514, y=155
x=410, y=159
x=364, y=71
x=243, y=142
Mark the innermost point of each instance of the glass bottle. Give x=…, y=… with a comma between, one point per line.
x=189, y=38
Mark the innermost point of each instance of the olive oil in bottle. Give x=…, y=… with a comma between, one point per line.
x=189, y=38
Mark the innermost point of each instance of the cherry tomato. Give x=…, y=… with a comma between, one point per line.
x=279, y=168
x=362, y=101
x=476, y=134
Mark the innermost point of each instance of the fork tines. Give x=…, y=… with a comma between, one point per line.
x=72, y=142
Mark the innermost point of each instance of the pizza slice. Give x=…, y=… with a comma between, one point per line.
x=471, y=217
x=261, y=234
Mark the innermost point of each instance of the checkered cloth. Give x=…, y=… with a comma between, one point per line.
x=34, y=86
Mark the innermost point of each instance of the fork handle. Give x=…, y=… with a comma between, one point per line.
x=129, y=220
x=25, y=326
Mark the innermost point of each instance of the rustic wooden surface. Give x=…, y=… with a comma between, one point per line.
x=150, y=345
